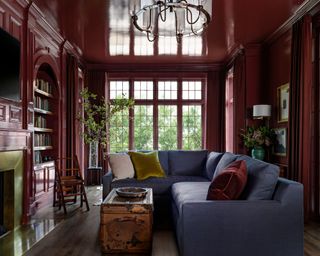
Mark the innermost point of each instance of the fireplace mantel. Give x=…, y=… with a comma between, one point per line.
x=12, y=140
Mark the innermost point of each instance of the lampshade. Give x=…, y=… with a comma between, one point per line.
x=260, y=111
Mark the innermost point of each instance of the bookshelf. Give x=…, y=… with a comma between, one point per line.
x=45, y=127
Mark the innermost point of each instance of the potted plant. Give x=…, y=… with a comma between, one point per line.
x=257, y=139
x=96, y=117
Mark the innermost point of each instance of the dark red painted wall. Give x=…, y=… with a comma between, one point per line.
x=277, y=56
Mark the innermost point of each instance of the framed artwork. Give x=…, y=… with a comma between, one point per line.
x=283, y=103
x=280, y=146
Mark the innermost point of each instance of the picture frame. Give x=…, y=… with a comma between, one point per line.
x=280, y=146
x=283, y=103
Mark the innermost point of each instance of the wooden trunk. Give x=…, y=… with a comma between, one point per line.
x=126, y=228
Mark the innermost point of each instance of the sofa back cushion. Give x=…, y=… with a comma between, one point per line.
x=146, y=165
x=121, y=165
x=225, y=160
x=229, y=183
x=189, y=163
x=212, y=162
x=262, y=179
x=164, y=160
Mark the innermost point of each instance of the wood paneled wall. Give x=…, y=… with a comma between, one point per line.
x=277, y=56
x=41, y=44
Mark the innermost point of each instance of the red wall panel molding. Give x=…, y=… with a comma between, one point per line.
x=2, y=17
x=41, y=44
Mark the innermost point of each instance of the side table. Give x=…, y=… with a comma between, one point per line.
x=94, y=176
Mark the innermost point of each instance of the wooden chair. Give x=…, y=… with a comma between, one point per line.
x=68, y=183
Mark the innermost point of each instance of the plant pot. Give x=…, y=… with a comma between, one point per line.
x=258, y=152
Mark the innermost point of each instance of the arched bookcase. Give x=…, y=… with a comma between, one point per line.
x=46, y=130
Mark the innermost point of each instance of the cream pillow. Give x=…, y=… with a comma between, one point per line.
x=121, y=166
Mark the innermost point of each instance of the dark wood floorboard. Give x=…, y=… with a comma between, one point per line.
x=52, y=233
x=78, y=232
x=312, y=239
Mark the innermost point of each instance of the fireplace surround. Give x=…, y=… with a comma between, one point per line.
x=11, y=171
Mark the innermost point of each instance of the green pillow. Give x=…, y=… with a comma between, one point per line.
x=146, y=165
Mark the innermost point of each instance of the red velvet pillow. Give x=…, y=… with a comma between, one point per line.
x=229, y=183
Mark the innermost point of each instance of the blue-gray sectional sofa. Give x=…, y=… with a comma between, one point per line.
x=266, y=221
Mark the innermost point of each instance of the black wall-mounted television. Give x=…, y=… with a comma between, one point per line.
x=9, y=66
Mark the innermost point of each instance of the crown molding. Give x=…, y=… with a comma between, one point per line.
x=40, y=19
x=305, y=8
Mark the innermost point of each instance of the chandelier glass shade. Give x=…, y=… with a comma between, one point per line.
x=177, y=18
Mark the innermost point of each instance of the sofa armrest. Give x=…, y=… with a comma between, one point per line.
x=264, y=227
x=106, y=183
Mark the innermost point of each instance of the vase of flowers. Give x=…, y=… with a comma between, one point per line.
x=257, y=139
x=258, y=152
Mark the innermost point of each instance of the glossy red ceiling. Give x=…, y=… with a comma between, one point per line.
x=89, y=24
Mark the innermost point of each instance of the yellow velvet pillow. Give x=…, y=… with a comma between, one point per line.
x=146, y=165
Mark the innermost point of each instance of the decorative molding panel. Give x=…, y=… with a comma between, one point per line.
x=2, y=17
x=15, y=28
x=13, y=140
x=10, y=115
x=15, y=114
x=2, y=112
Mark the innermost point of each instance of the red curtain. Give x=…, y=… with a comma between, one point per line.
x=300, y=123
x=239, y=93
x=72, y=68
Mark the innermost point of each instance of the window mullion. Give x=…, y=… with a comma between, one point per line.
x=179, y=115
x=203, y=113
x=155, y=115
x=131, y=116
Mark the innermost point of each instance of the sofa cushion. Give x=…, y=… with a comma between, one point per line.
x=262, y=179
x=160, y=186
x=225, y=160
x=146, y=165
x=164, y=160
x=229, y=183
x=186, y=192
x=212, y=162
x=190, y=163
x=121, y=165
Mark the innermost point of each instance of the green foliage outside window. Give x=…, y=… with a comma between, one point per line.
x=192, y=128
x=143, y=127
x=167, y=127
x=119, y=131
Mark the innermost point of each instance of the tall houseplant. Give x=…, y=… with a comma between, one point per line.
x=96, y=119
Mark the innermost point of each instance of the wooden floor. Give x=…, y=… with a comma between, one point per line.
x=312, y=239
x=52, y=233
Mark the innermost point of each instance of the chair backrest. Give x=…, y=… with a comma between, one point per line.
x=68, y=166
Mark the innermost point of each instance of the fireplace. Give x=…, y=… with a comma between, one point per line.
x=11, y=169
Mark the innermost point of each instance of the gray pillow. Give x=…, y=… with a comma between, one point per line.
x=225, y=160
x=212, y=162
x=262, y=179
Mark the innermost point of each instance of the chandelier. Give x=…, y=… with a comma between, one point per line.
x=179, y=18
